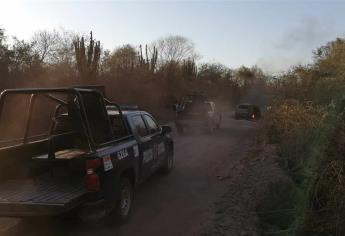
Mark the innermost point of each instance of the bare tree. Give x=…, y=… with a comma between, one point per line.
x=23, y=58
x=125, y=58
x=5, y=55
x=46, y=45
x=2, y=36
x=175, y=48
x=54, y=47
x=214, y=71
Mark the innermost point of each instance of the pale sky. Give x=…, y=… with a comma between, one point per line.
x=271, y=34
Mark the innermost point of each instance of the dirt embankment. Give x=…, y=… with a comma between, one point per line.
x=250, y=181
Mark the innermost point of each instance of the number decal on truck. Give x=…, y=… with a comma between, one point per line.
x=161, y=148
x=122, y=154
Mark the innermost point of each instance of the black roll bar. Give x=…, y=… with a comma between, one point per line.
x=77, y=91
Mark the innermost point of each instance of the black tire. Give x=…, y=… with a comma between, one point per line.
x=168, y=163
x=121, y=211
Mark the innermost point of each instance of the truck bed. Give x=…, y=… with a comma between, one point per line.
x=44, y=196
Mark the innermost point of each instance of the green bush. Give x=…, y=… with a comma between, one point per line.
x=312, y=153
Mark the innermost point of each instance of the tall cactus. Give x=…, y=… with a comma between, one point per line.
x=154, y=58
x=148, y=62
x=87, y=63
x=189, y=69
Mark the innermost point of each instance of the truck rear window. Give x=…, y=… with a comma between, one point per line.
x=197, y=107
x=120, y=130
x=97, y=118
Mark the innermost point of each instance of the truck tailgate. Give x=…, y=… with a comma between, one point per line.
x=44, y=196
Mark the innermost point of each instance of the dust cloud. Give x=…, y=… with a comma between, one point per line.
x=296, y=45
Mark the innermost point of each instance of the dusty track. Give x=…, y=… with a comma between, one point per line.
x=181, y=203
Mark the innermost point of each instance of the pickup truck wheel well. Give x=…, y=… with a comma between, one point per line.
x=130, y=174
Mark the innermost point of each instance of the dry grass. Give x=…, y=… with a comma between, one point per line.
x=327, y=213
x=288, y=119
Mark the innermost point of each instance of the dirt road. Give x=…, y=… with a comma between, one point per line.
x=181, y=203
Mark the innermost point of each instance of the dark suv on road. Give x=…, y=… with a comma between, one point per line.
x=247, y=111
x=197, y=111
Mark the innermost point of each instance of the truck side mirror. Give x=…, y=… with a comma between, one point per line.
x=166, y=129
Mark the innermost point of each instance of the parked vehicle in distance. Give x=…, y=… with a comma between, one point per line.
x=73, y=150
x=197, y=111
x=247, y=111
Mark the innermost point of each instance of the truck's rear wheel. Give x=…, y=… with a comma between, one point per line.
x=123, y=205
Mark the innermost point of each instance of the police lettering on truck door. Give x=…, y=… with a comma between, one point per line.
x=152, y=154
x=161, y=148
x=148, y=156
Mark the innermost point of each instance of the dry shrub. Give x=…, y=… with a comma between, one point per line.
x=339, y=140
x=327, y=210
x=288, y=119
x=327, y=215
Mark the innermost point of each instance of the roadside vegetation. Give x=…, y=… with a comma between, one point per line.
x=152, y=76
x=306, y=122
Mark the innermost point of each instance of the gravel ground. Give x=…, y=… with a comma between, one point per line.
x=247, y=186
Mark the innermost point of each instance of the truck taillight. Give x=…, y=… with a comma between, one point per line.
x=93, y=164
x=92, y=182
x=92, y=179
